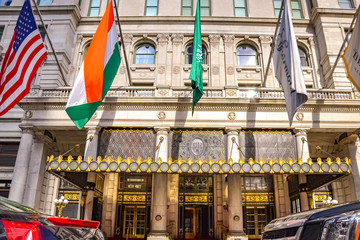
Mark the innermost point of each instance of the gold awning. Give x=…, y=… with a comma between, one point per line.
x=200, y=166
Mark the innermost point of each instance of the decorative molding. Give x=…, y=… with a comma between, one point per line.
x=214, y=38
x=231, y=116
x=161, y=69
x=229, y=38
x=301, y=131
x=230, y=70
x=176, y=69
x=300, y=116
x=215, y=70
x=27, y=129
x=161, y=115
x=28, y=114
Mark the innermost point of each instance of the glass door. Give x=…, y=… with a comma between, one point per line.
x=134, y=222
x=255, y=221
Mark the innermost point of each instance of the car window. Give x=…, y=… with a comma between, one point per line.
x=8, y=205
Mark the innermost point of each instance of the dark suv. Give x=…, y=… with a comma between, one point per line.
x=340, y=222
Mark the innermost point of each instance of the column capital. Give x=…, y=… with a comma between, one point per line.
x=27, y=129
x=162, y=130
x=93, y=130
x=301, y=131
x=232, y=130
x=353, y=139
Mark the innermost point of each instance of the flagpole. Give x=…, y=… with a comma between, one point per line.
x=51, y=45
x=273, y=42
x=122, y=43
x=344, y=42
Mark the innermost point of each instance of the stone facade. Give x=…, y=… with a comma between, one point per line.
x=158, y=97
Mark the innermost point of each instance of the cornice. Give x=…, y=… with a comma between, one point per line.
x=337, y=13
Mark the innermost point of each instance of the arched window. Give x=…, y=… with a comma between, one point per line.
x=145, y=54
x=247, y=55
x=189, y=54
x=303, y=57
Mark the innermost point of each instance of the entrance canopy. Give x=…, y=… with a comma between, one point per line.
x=199, y=166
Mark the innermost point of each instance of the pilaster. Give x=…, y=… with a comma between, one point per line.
x=353, y=145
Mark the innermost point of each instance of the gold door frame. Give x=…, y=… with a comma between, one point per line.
x=130, y=232
x=256, y=221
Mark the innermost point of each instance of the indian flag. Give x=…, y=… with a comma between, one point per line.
x=97, y=72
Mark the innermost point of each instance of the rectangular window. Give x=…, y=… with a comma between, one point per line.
x=205, y=9
x=5, y=2
x=346, y=4
x=94, y=8
x=296, y=9
x=186, y=9
x=277, y=6
x=151, y=8
x=45, y=2
x=240, y=8
x=8, y=153
x=1, y=31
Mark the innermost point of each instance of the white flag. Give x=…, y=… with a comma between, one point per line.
x=288, y=66
x=351, y=56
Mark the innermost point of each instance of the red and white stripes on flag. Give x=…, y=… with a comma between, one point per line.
x=24, y=56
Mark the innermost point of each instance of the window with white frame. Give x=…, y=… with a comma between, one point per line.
x=145, y=54
x=247, y=55
x=296, y=9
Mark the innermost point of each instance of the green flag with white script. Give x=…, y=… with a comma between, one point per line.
x=196, y=74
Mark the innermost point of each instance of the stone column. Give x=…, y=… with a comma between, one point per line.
x=36, y=170
x=159, y=199
x=22, y=164
x=303, y=153
x=109, y=208
x=229, y=52
x=353, y=145
x=91, y=151
x=236, y=229
x=216, y=70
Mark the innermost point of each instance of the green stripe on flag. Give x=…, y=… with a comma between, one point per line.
x=81, y=114
x=111, y=69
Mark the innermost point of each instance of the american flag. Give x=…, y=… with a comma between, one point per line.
x=24, y=56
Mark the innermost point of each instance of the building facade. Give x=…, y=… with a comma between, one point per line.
x=148, y=168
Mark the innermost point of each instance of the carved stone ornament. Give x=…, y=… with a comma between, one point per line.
x=215, y=70
x=122, y=70
x=162, y=37
x=230, y=70
x=265, y=39
x=229, y=38
x=27, y=129
x=28, y=114
x=94, y=115
x=300, y=116
x=164, y=92
x=230, y=92
x=161, y=70
x=214, y=38
x=176, y=70
x=231, y=116
x=127, y=37
x=161, y=115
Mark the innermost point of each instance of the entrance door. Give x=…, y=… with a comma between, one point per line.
x=134, y=219
x=255, y=221
x=196, y=221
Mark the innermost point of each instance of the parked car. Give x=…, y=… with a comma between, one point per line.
x=18, y=222
x=340, y=222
